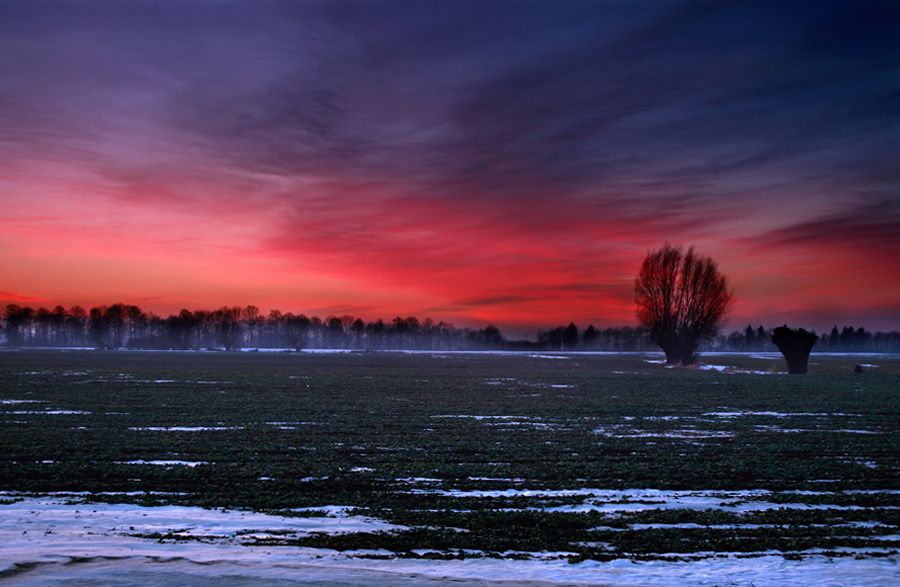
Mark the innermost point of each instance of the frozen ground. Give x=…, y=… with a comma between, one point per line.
x=64, y=540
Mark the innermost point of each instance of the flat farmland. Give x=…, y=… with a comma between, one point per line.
x=438, y=456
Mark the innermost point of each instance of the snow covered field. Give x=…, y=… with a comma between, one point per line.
x=484, y=469
x=63, y=540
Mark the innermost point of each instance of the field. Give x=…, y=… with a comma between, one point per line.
x=437, y=457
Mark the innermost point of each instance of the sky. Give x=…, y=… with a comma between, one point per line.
x=473, y=162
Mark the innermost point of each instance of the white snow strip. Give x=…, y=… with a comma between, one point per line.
x=164, y=463
x=483, y=417
x=683, y=433
x=70, y=519
x=184, y=428
x=100, y=544
x=633, y=500
x=49, y=412
x=779, y=414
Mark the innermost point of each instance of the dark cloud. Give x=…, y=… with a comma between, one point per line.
x=550, y=100
x=486, y=99
x=870, y=230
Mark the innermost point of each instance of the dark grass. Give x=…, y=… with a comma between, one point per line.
x=595, y=421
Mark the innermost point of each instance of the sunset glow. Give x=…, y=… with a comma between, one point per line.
x=471, y=162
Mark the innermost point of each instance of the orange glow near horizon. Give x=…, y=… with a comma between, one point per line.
x=395, y=259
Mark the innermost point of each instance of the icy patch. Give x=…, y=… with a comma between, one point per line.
x=634, y=500
x=681, y=434
x=729, y=370
x=164, y=463
x=780, y=414
x=184, y=428
x=156, y=546
x=483, y=417
x=49, y=412
x=71, y=518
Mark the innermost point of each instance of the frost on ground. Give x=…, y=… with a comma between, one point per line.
x=50, y=539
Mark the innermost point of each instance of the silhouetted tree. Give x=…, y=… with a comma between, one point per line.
x=117, y=322
x=181, y=329
x=750, y=338
x=795, y=345
x=375, y=333
x=492, y=336
x=570, y=337
x=834, y=339
x=76, y=323
x=205, y=328
x=98, y=327
x=18, y=324
x=295, y=330
x=228, y=327
x=589, y=339
x=682, y=300
x=762, y=338
x=551, y=339
x=848, y=336
x=861, y=339
x=359, y=329
x=58, y=321
x=137, y=322
x=43, y=325
x=252, y=322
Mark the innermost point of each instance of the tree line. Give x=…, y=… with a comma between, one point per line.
x=123, y=326
x=750, y=339
x=845, y=340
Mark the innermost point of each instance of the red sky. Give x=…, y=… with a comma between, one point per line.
x=489, y=165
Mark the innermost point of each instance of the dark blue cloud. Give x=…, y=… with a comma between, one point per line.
x=477, y=100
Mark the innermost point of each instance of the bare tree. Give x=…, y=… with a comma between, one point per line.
x=228, y=327
x=77, y=320
x=295, y=330
x=18, y=324
x=682, y=300
x=98, y=326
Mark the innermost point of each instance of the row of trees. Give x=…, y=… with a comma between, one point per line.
x=846, y=340
x=127, y=326
x=570, y=338
x=759, y=339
